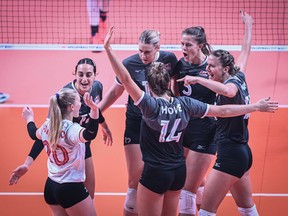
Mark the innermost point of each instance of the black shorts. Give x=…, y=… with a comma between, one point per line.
x=160, y=181
x=233, y=158
x=88, y=152
x=132, y=131
x=199, y=137
x=65, y=194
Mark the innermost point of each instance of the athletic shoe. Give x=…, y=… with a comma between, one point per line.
x=4, y=97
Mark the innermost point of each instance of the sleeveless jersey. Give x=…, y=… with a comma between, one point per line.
x=66, y=163
x=234, y=128
x=138, y=72
x=162, y=129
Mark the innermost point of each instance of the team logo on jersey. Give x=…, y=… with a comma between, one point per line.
x=217, y=165
x=138, y=71
x=203, y=74
x=85, y=189
x=202, y=147
x=127, y=140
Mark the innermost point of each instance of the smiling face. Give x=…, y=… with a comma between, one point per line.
x=147, y=52
x=191, y=49
x=215, y=69
x=85, y=77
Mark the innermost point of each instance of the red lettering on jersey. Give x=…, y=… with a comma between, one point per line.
x=45, y=129
x=54, y=154
x=45, y=143
x=64, y=153
x=62, y=134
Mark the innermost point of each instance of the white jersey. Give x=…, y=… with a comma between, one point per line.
x=67, y=162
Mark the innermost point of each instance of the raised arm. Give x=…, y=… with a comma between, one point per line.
x=28, y=116
x=133, y=90
x=242, y=60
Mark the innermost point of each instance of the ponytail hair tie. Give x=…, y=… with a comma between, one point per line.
x=57, y=97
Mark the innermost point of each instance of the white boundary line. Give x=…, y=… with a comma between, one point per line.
x=124, y=194
x=46, y=106
x=127, y=47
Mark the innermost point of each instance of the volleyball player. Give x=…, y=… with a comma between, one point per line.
x=231, y=170
x=85, y=73
x=64, y=143
x=137, y=65
x=200, y=147
x=97, y=14
x=164, y=120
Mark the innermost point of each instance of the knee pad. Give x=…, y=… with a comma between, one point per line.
x=130, y=204
x=248, y=211
x=187, y=203
x=205, y=213
x=199, y=195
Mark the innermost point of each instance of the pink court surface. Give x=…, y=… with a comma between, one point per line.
x=30, y=77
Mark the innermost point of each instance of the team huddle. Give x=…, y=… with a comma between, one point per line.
x=179, y=115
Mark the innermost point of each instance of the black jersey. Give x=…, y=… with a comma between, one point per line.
x=200, y=131
x=195, y=91
x=96, y=93
x=138, y=72
x=162, y=129
x=234, y=128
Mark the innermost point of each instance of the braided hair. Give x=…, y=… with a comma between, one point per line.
x=226, y=60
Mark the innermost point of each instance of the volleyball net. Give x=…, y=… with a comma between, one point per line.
x=66, y=24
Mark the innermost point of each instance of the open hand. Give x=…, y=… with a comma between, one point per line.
x=17, y=174
x=246, y=18
x=265, y=105
x=107, y=136
x=88, y=100
x=107, y=38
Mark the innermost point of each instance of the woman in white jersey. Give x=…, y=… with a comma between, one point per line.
x=64, y=143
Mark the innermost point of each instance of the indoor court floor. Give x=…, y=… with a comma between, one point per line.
x=31, y=77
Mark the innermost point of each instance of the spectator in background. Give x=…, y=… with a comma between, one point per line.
x=97, y=14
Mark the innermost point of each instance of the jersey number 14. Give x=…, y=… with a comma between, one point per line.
x=171, y=136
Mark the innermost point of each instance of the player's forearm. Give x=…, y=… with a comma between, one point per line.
x=36, y=149
x=237, y=110
x=31, y=128
x=214, y=86
x=117, y=66
x=110, y=98
x=28, y=162
x=247, y=40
